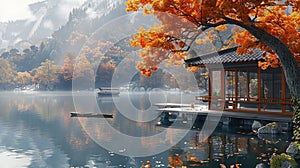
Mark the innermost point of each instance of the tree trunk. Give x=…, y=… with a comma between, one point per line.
x=289, y=66
x=296, y=119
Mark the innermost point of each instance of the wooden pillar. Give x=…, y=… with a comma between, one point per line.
x=209, y=88
x=236, y=89
x=258, y=87
x=283, y=91
x=247, y=86
x=222, y=94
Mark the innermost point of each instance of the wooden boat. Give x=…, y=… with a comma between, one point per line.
x=96, y=115
x=108, y=92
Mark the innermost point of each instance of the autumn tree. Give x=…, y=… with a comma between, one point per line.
x=156, y=80
x=67, y=69
x=84, y=74
x=46, y=75
x=22, y=78
x=7, y=73
x=66, y=72
x=219, y=38
x=105, y=73
x=269, y=25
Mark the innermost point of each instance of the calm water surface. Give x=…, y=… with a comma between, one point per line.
x=37, y=131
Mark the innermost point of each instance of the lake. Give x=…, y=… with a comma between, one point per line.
x=37, y=131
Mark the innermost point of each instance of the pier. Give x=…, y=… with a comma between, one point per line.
x=226, y=117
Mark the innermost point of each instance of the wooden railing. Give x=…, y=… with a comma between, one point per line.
x=230, y=103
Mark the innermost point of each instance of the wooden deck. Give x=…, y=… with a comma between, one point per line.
x=203, y=110
x=173, y=105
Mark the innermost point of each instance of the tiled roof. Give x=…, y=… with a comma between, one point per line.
x=224, y=57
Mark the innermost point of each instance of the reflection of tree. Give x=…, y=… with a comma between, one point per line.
x=253, y=88
x=202, y=78
x=183, y=79
x=96, y=129
x=47, y=107
x=24, y=105
x=230, y=83
x=242, y=84
x=79, y=139
x=175, y=161
x=146, y=165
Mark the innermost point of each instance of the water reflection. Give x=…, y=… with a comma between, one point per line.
x=37, y=131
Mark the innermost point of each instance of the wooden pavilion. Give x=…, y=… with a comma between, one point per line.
x=236, y=83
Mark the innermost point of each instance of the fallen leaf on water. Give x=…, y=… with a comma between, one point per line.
x=222, y=166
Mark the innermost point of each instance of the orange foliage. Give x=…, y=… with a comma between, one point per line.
x=193, y=68
x=169, y=41
x=221, y=28
x=67, y=69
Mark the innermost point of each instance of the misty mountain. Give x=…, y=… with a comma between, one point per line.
x=90, y=16
x=54, y=16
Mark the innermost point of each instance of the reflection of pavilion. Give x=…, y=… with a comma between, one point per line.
x=228, y=149
x=236, y=83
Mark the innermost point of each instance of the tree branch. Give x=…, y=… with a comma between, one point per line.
x=184, y=14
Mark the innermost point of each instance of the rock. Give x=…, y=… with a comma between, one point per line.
x=287, y=164
x=256, y=125
x=271, y=128
x=293, y=151
x=260, y=165
x=283, y=161
x=274, y=138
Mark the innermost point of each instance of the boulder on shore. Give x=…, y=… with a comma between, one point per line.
x=283, y=161
x=271, y=128
x=287, y=164
x=293, y=151
x=256, y=125
x=260, y=165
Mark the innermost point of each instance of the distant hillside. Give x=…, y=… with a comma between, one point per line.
x=52, y=16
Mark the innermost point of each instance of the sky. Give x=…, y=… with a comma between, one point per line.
x=11, y=10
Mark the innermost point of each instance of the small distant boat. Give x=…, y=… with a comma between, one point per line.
x=96, y=115
x=108, y=92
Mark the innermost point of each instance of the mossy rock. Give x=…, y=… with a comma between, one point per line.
x=294, y=150
x=297, y=144
x=271, y=128
x=279, y=161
